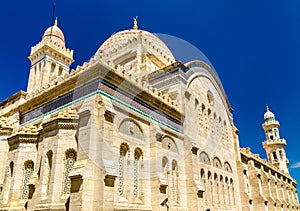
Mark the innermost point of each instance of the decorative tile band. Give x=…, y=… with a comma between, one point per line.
x=61, y=101
x=104, y=88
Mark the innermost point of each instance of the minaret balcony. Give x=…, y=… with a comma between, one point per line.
x=271, y=122
x=280, y=141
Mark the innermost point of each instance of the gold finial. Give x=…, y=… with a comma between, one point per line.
x=135, y=26
x=267, y=108
x=55, y=22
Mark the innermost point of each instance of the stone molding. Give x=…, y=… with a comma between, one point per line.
x=60, y=123
x=20, y=138
x=5, y=131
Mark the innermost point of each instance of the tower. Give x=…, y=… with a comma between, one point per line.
x=274, y=145
x=49, y=59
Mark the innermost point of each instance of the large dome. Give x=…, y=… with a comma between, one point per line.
x=55, y=34
x=139, y=46
x=128, y=36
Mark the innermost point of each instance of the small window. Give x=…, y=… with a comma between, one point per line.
x=60, y=70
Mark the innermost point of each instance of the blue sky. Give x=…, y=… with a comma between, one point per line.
x=253, y=45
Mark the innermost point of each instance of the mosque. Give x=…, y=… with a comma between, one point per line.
x=132, y=129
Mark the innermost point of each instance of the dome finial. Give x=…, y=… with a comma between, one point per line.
x=55, y=22
x=267, y=108
x=135, y=26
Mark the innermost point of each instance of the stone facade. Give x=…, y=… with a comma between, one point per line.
x=132, y=129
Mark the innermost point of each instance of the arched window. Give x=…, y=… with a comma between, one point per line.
x=70, y=161
x=209, y=119
x=232, y=193
x=203, y=182
x=222, y=187
x=274, y=156
x=165, y=168
x=53, y=65
x=138, y=153
x=175, y=175
x=49, y=162
x=124, y=149
x=216, y=190
x=196, y=105
x=226, y=190
x=225, y=131
x=247, y=188
x=280, y=154
x=60, y=70
x=28, y=170
x=11, y=168
x=209, y=188
x=202, y=116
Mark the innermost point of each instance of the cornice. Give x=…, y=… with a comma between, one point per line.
x=20, y=138
x=60, y=123
x=5, y=131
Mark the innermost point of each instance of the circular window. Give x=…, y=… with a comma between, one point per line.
x=210, y=98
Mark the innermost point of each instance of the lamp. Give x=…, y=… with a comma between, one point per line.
x=164, y=203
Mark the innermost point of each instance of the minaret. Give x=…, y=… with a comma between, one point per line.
x=49, y=59
x=274, y=145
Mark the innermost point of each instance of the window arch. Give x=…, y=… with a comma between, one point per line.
x=131, y=128
x=69, y=163
x=169, y=144
x=28, y=171
x=217, y=163
x=204, y=158
x=227, y=167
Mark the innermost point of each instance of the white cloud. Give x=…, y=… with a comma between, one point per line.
x=295, y=165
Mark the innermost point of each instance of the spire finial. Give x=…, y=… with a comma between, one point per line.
x=267, y=108
x=55, y=22
x=135, y=26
